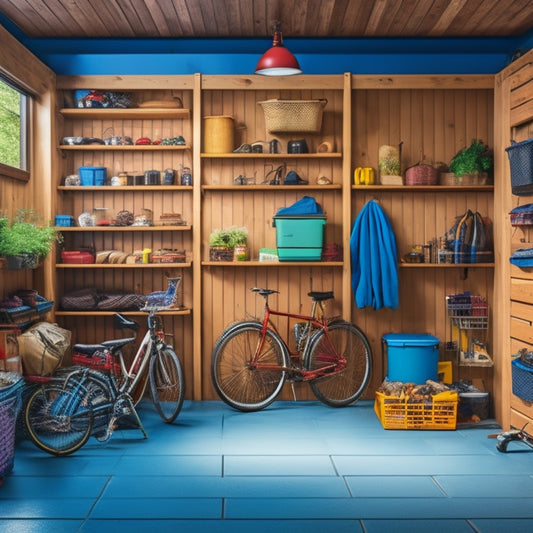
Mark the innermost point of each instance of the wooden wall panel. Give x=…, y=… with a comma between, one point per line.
x=432, y=125
x=226, y=296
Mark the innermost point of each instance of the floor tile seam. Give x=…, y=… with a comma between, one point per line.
x=97, y=499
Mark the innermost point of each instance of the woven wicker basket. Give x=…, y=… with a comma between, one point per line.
x=449, y=178
x=220, y=253
x=293, y=116
x=421, y=175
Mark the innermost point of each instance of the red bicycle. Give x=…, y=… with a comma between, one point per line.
x=251, y=361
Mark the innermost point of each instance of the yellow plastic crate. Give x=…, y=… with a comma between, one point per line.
x=399, y=413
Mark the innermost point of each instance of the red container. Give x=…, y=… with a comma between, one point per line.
x=76, y=257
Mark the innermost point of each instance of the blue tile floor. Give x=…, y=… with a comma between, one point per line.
x=296, y=466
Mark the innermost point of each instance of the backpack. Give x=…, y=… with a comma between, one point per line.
x=470, y=239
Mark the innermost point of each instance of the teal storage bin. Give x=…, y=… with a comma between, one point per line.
x=299, y=237
x=411, y=357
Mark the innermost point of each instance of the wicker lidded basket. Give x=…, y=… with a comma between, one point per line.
x=421, y=174
x=293, y=116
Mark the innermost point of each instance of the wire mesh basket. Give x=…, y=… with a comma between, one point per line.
x=521, y=165
x=468, y=311
x=10, y=399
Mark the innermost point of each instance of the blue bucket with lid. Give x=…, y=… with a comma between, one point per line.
x=411, y=357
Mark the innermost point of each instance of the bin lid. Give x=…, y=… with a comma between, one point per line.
x=321, y=218
x=410, y=339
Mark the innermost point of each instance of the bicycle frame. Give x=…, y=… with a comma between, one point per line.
x=337, y=364
x=150, y=344
x=132, y=375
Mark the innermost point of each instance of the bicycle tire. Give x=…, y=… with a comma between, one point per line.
x=167, y=384
x=50, y=426
x=239, y=385
x=345, y=387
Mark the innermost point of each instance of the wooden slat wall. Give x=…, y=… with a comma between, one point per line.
x=226, y=297
x=432, y=120
x=76, y=201
x=520, y=289
x=20, y=64
x=432, y=125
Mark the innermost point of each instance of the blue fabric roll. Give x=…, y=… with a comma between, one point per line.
x=374, y=259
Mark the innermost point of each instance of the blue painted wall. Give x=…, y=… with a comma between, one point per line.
x=236, y=56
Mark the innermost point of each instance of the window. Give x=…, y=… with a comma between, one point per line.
x=14, y=131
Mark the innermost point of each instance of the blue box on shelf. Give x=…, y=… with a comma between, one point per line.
x=92, y=175
x=64, y=220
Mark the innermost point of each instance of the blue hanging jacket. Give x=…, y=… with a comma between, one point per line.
x=374, y=259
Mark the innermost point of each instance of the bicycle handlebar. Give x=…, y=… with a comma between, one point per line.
x=264, y=292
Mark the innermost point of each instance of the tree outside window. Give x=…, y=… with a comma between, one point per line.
x=13, y=132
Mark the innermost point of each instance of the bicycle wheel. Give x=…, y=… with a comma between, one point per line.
x=236, y=382
x=56, y=421
x=348, y=341
x=166, y=384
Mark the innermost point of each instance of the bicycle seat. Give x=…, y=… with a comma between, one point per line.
x=264, y=292
x=320, y=296
x=87, y=349
x=117, y=343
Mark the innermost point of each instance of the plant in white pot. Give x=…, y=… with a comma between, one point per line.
x=25, y=241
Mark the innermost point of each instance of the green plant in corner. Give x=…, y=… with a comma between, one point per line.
x=25, y=235
x=475, y=159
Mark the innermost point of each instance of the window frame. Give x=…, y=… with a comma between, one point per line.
x=7, y=171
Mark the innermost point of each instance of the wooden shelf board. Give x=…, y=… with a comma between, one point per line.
x=123, y=147
x=338, y=263
x=123, y=114
x=128, y=313
x=111, y=188
x=265, y=155
x=122, y=265
x=425, y=188
x=245, y=264
x=122, y=228
x=266, y=187
x=446, y=265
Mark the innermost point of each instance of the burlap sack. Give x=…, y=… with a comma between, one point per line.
x=43, y=347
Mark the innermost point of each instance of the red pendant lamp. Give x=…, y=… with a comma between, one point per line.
x=278, y=61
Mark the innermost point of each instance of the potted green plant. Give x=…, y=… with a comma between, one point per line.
x=220, y=248
x=239, y=242
x=471, y=165
x=222, y=243
x=24, y=241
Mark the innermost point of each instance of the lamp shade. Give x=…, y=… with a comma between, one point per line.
x=278, y=61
